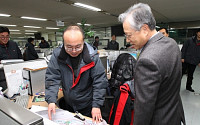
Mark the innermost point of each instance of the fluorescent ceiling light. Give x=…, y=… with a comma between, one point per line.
x=30, y=31
x=6, y=15
x=51, y=28
x=14, y=30
x=193, y=27
x=15, y=33
x=6, y=25
x=84, y=24
x=86, y=6
x=157, y=27
x=33, y=18
x=32, y=26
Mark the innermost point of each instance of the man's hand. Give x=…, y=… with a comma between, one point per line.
x=96, y=115
x=51, y=108
x=182, y=60
x=199, y=64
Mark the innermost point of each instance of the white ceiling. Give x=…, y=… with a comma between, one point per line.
x=178, y=13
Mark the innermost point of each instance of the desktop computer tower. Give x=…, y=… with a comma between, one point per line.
x=35, y=78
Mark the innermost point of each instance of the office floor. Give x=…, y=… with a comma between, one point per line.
x=191, y=101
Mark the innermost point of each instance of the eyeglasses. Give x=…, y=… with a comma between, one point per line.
x=127, y=36
x=2, y=37
x=76, y=48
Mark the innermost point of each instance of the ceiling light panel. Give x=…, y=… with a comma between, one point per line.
x=84, y=24
x=32, y=26
x=31, y=31
x=6, y=15
x=33, y=18
x=86, y=6
x=6, y=25
x=51, y=28
x=14, y=30
x=15, y=33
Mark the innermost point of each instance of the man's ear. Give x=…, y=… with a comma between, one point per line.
x=145, y=29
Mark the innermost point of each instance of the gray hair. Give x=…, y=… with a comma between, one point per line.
x=137, y=15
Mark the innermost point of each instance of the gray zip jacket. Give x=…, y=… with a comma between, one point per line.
x=88, y=89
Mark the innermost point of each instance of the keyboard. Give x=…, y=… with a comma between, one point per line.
x=22, y=100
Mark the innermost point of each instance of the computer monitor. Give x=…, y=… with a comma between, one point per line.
x=3, y=82
x=13, y=114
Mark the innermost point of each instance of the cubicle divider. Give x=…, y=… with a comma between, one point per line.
x=44, y=51
x=113, y=54
x=14, y=75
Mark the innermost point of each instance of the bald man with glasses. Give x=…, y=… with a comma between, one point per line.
x=8, y=49
x=77, y=66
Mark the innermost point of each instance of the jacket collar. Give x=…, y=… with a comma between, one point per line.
x=153, y=39
x=64, y=57
x=2, y=45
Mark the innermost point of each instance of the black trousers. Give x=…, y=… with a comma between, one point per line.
x=63, y=105
x=189, y=70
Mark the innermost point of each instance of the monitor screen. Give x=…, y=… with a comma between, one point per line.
x=117, y=30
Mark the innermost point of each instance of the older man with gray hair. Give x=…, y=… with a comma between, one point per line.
x=157, y=71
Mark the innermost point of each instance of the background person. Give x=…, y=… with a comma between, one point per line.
x=164, y=31
x=157, y=73
x=8, y=49
x=43, y=43
x=113, y=44
x=78, y=67
x=30, y=53
x=191, y=58
x=96, y=42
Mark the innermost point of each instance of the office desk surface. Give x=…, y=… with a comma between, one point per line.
x=60, y=94
x=30, y=103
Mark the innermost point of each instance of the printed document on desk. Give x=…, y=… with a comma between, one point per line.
x=46, y=121
x=63, y=117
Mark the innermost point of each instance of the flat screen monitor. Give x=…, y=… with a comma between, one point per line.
x=13, y=114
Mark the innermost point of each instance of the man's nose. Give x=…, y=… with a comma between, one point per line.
x=73, y=50
x=127, y=40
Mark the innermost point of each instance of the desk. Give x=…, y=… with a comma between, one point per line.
x=45, y=104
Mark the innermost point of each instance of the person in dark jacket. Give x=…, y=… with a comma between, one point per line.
x=44, y=43
x=8, y=49
x=113, y=44
x=96, y=42
x=77, y=66
x=30, y=52
x=191, y=58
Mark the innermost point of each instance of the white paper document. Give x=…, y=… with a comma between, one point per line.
x=14, y=81
x=62, y=117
